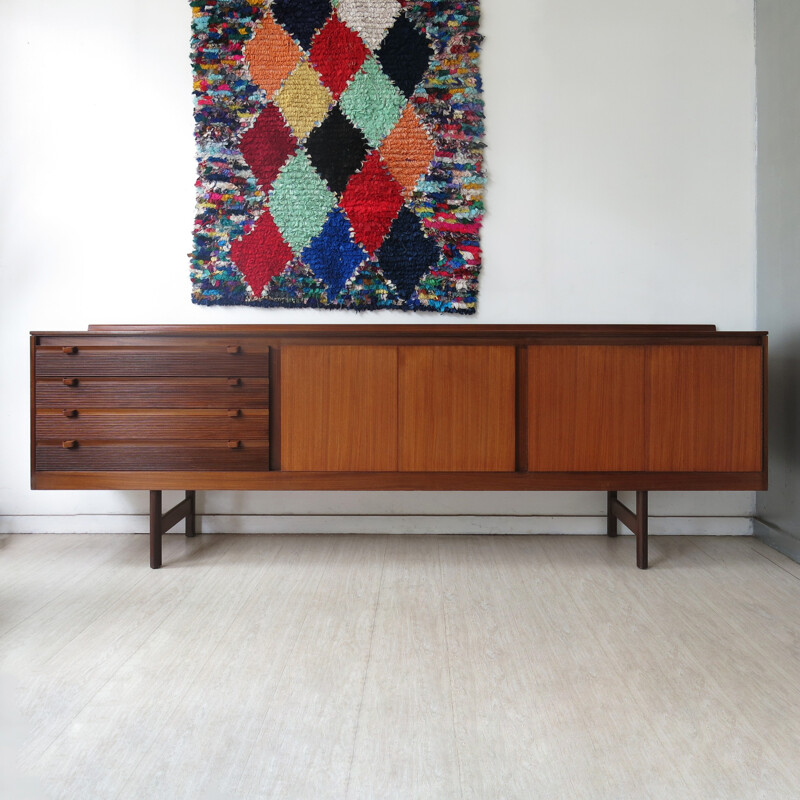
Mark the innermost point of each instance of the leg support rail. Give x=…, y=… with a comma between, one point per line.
x=636, y=522
x=160, y=523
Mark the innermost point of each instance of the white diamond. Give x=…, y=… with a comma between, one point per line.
x=369, y=18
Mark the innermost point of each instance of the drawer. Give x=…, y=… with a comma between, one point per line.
x=250, y=455
x=235, y=392
x=109, y=361
x=192, y=423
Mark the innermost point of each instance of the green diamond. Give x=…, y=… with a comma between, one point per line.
x=372, y=102
x=300, y=201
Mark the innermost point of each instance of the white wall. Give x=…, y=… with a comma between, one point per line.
x=621, y=156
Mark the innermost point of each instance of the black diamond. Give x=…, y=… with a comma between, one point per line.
x=337, y=149
x=301, y=18
x=407, y=253
x=404, y=55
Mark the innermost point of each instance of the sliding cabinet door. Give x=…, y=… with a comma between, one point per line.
x=338, y=408
x=705, y=408
x=586, y=408
x=456, y=408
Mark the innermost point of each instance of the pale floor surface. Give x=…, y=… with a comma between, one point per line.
x=371, y=667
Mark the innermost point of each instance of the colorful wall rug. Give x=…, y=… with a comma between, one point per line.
x=339, y=148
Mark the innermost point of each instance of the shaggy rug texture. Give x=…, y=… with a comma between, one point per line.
x=340, y=154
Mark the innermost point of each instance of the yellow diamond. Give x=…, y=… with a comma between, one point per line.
x=303, y=100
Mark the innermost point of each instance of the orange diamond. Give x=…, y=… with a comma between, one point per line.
x=271, y=55
x=408, y=151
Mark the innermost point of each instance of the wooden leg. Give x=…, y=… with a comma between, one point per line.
x=190, y=516
x=160, y=523
x=155, y=529
x=611, y=520
x=641, y=531
x=635, y=522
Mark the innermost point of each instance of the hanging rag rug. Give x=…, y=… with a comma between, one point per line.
x=339, y=149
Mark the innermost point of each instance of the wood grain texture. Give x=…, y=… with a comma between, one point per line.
x=275, y=408
x=152, y=360
x=405, y=481
x=706, y=409
x=154, y=424
x=338, y=408
x=586, y=409
x=142, y=455
x=457, y=408
x=152, y=393
x=462, y=421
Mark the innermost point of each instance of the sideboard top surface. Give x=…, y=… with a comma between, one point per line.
x=430, y=334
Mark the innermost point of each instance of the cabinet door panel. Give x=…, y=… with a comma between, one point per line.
x=586, y=408
x=338, y=408
x=456, y=408
x=706, y=408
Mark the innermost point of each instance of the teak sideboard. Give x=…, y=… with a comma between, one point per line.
x=398, y=407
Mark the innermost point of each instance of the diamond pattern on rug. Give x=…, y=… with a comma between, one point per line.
x=267, y=145
x=300, y=201
x=337, y=54
x=372, y=102
x=337, y=149
x=345, y=132
x=369, y=18
x=404, y=55
x=301, y=18
x=407, y=254
x=261, y=254
x=332, y=254
x=271, y=55
x=408, y=151
x=303, y=100
x=372, y=199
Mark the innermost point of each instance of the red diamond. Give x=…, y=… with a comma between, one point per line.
x=261, y=254
x=337, y=54
x=372, y=199
x=266, y=145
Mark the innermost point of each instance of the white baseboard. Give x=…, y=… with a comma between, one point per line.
x=374, y=523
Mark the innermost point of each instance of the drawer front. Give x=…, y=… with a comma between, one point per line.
x=79, y=423
x=250, y=455
x=235, y=392
x=104, y=361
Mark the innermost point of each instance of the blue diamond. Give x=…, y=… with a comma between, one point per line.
x=333, y=255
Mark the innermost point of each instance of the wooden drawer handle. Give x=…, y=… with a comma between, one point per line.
x=70, y=444
x=234, y=443
x=234, y=412
x=233, y=349
x=234, y=381
x=69, y=351
x=70, y=381
x=70, y=412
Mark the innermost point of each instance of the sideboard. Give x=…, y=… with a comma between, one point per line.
x=399, y=407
